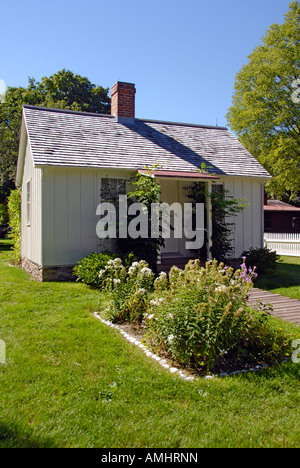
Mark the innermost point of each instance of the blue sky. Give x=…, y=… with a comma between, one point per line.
x=182, y=55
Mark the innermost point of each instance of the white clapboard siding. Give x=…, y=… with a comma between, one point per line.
x=283, y=243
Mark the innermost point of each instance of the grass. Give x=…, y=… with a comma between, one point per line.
x=285, y=280
x=70, y=381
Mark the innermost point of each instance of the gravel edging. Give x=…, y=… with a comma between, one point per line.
x=163, y=362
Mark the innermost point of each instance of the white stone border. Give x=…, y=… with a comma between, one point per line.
x=163, y=362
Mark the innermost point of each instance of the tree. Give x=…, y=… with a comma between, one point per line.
x=63, y=90
x=265, y=105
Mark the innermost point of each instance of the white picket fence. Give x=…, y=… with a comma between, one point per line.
x=283, y=243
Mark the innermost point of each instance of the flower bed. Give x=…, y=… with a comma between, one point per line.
x=199, y=317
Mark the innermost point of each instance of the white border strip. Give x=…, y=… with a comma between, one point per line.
x=163, y=362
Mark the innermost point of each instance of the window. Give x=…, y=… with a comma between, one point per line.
x=296, y=222
x=218, y=188
x=268, y=220
x=112, y=188
x=28, y=203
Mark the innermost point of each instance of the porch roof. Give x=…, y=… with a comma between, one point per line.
x=180, y=174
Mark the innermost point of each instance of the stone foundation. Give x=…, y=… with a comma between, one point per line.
x=32, y=268
x=47, y=274
x=58, y=274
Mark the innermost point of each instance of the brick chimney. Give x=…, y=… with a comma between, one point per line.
x=123, y=102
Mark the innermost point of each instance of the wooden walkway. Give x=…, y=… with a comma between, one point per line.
x=283, y=307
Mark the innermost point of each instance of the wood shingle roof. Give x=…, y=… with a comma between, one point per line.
x=76, y=139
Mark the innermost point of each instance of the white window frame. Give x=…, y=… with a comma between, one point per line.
x=28, y=202
x=118, y=181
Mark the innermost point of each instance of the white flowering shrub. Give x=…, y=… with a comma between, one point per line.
x=130, y=288
x=113, y=274
x=204, y=318
x=161, y=283
x=140, y=275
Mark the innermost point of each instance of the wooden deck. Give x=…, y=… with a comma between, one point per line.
x=284, y=307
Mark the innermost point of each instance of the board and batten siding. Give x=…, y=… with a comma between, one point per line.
x=248, y=225
x=31, y=229
x=70, y=199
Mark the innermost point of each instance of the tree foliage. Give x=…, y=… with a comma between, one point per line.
x=265, y=106
x=63, y=90
x=14, y=208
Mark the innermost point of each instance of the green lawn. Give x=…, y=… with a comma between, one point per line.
x=70, y=381
x=285, y=280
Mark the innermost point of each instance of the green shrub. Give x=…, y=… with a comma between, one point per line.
x=265, y=342
x=204, y=318
x=14, y=209
x=89, y=267
x=4, y=217
x=262, y=258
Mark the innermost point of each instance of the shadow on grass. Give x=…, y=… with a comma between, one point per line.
x=275, y=373
x=5, y=245
x=12, y=437
x=285, y=275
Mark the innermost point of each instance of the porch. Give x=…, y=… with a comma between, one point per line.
x=179, y=247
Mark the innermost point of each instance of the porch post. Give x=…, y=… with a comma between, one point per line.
x=209, y=220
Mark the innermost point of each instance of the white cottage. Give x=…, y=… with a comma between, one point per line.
x=65, y=156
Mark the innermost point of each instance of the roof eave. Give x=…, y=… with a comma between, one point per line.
x=21, y=153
